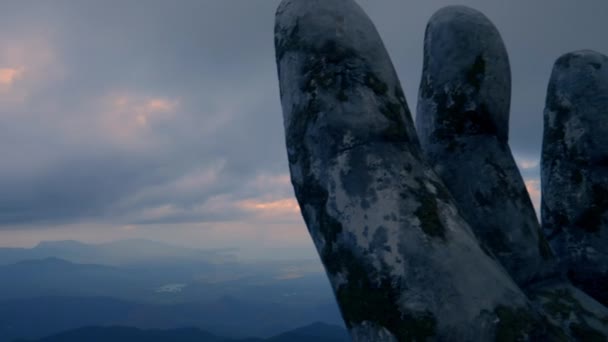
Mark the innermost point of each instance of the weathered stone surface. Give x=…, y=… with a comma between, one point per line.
x=574, y=315
x=575, y=169
x=462, y=120
x=403, y=263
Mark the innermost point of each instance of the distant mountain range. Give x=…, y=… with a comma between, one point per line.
x=44, y=296
x=53, y=276
x=232, y=317
x=122, y=252
x=162, y=283
x=317, y=332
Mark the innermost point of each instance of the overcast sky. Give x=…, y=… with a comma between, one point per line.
x=161, y=119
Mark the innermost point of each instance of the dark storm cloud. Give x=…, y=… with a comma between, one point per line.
x=209, y=57
x=168, y=112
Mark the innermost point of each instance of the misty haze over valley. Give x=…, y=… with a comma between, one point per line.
x=64, y=285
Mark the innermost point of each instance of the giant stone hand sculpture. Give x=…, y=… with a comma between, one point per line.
x=429, y=240
x=575, y=169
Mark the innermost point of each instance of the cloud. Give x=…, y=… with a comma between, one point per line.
x=8, y=79
x=148, y=120
x=128, y=120
x=8, y=76
x=528, y=164
x=529, y=167
x=286, y=205
x=281, y=210
x=533, y=187
x=28, y=64
x=203, y=196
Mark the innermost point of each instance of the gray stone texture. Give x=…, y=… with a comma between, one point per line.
x=404, y=263
x=463, y=119
x=575, y=169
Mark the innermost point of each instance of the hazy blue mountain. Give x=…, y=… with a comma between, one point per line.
x=291, y=283
x=162, y=273
x=227, y=316
x=50, y=294
x=125, y=334
x=314, y=332
x=53, y=276
x=122, y=252
x=317, y=332
x=38, y=317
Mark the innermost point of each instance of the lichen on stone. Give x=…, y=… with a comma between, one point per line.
x=515, y=324
x=427, y=214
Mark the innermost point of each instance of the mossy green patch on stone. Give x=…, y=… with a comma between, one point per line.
x=442, y=191
x=498, y=169
x=398, y=92
x=396, y=130
x=561, y=305
x=495, y=240
x=362, y=300
x=374, y=83
x=596, y=66
x=392, y=111
x=332, y=67
x=290, y=41
x=543, y=246
x=476, y=72
x=455, y=117
x=583, y=332
x=428, y=214
x=523, y=324
x=515, y=324
x=554, y=333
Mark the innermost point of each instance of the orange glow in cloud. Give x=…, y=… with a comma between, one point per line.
x=533, y=187
x=128, y=116
x=28, y=63
x=527, y=164
x=141, y=111
x=8, y=76
x=160, y=105
x=282, y=206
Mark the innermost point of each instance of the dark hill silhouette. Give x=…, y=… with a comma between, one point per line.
x=227, y=316
x=318, y=332
x=126, y=334
x=314, y=332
